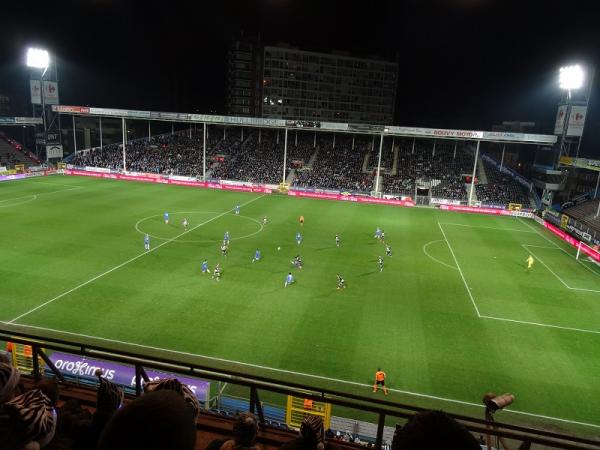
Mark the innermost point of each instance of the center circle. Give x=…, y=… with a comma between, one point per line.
x=196, y=220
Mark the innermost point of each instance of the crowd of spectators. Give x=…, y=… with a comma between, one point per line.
x=166, y=416
x=250, y=158
x=253, y=161
x=442, y=171
x=172, y=154
x=500, y=189
x=338, y=167
x=12, y=152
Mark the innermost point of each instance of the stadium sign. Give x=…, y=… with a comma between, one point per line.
x=21, y=121
x=54, y=151
x=325, y=126
x=78, y=366
x=582, y=163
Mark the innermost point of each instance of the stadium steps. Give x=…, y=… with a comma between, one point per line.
x=468, y=188
x=395, y=163
x=365, y=166
x=312, y=159
x=481, y=171
x=291, y=177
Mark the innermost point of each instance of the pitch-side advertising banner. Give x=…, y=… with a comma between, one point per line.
x=154, y=178
x=78, y=366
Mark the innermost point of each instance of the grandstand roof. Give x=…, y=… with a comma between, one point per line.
x=417, y=132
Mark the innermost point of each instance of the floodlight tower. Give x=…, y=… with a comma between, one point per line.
x=44, y=92
x=572, y=111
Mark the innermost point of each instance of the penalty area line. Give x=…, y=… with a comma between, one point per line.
x=309, y=375
x=91, y=280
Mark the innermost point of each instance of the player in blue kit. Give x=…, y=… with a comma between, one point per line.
x=257, y=256
x=237, y=209
x=226, y=238
x=289, y=279
x=147, y=242
x=298, y=238
x=377, y=233
x=166, y=217
x=205, y=268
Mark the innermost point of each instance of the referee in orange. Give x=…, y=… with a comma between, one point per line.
x=380, y=381
x=301, y=219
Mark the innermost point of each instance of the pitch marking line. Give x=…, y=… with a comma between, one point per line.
x=557, y=246
x=460, y=271
x=489, y=228
x=526, y=247
x=537, y=324
x=309, y=375
x=33, y=197
x=91, y=280
x=433, y=257
x=137, y=227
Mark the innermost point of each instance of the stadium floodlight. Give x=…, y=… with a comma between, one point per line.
x=38, y=58
x=571, y=77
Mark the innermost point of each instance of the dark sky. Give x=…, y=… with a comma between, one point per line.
x=463, y=63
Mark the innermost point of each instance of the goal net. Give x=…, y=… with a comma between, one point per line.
x=587, y=252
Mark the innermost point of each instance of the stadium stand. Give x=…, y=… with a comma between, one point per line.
x=321, y=166
x=500, y=189
x=441, y=172
x=338, y=167
x=586, y=213
x=12, y=152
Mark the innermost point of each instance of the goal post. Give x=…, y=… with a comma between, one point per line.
x=584, y=250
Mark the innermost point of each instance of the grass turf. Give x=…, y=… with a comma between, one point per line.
x=416, y=319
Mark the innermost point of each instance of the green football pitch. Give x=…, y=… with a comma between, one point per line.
x=454, y=314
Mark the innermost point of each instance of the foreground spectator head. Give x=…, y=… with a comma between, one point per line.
x=433, y=430
x=109, y=397
x=312, y=430
x=245, y=429
x=175, y=385
x=156, y=420
x=34, y=416
x=9, y=380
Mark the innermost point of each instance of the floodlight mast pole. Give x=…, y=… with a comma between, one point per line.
x=378, y=165
x=473, y=175
x=596, y=194
x=204, y=153
x=284, y=154
x=124, y=142
x=588, y=99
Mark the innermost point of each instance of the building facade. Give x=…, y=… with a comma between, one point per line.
x=244, y=79
x=287, y=83
x=4, y=105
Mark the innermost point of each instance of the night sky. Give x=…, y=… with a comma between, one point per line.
x=463, y=63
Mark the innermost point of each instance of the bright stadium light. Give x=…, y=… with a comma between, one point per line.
x=38, y=58
x=571, y=77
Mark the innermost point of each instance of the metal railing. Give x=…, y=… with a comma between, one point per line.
x=178, y=363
